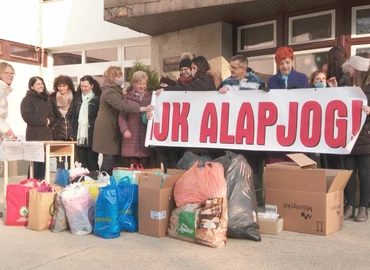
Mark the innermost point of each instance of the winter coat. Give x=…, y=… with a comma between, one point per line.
x=205, y=82
x=362, y=145
x=5, y=90
x=92, y=114
x=107, y=137
x=135, y=146
x=62, y=126
x=295, y=80
x=36, y=109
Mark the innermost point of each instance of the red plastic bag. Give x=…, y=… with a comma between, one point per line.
x=17, y=196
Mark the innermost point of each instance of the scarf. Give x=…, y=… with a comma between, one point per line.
x=138, y=94
x=184, y=81
x=83, y=119
x=64, y=101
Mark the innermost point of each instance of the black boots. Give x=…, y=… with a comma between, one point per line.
x=362, y=214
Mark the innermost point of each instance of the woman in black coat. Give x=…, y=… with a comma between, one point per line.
x=359, y=159
x=64, y=92
x=85, y=110
x=36, y=111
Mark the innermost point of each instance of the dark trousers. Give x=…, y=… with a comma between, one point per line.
x=128, y=161
x=168, y=156
x=38, y=170
x=254, y=159
x=88, y=158
x=361, y=165
x=109, y=162
x=330, y=161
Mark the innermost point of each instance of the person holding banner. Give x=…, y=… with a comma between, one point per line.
x=205, y=79
x=185, y=69
x=286, y=78
x=318, y=80
x=107, y=136
x=37, y=112
x=359, y=159
x=242, y=77
x=133, y=129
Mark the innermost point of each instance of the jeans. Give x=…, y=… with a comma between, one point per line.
x=361, y=165
x=169, y=156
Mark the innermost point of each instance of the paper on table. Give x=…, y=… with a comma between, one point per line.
x=34, y=151
x=12, y=150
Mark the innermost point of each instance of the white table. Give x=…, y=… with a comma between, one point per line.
x=52, y=149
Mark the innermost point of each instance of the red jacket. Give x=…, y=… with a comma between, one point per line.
x=135, y=146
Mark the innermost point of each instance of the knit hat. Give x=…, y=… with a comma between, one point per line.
x=185, y=60
x=167, y=81
x=283, y=53
x=359, y=63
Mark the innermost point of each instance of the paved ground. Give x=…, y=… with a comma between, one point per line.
x=22, y=248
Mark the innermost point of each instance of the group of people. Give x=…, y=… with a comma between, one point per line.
x=104, y=119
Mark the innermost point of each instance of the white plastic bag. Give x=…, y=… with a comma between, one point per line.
x=77, y=171
x=103, y=177
x=79, y=206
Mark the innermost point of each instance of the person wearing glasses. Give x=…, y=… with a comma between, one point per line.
x=185, y=69
x=242, y=77
x=6, y=79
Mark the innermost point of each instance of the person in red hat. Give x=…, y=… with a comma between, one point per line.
x=287, y=77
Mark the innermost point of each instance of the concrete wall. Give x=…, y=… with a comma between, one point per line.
x=204, y=40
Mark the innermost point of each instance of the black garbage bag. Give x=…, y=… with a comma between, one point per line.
x=241, y=196
x=189, y=158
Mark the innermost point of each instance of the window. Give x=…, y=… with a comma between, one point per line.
x=20, y=51
x=67, y=58
x=256, y=36
x=361, y=21
x=312, y=27
x=356, y=49
x=102, y=55
x=309, y=61
x=137, y=52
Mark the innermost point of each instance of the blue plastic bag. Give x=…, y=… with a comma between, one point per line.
x=62, y=177
x=106, y=223
x=127, y=205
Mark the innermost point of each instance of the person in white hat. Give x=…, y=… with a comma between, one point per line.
x=359, y=158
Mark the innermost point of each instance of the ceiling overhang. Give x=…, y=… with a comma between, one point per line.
x=162, y=16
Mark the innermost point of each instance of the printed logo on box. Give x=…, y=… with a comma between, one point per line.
x=157, y=215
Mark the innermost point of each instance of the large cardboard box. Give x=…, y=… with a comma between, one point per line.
x=309, y=199
x=156, y=202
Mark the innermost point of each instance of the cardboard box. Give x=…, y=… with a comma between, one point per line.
x=156, y=202
x=271, y=226
x=309, y=199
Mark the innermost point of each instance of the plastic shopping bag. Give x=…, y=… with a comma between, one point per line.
x=128, y=205
x=62, y=177
x=106, y=224
x=59, y=222
x=17, y=197
x=79, y=205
